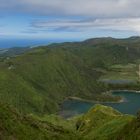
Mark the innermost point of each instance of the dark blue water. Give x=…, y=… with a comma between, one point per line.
x=8, y=43
x=131, y=106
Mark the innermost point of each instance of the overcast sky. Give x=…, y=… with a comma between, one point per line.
x=77, y=19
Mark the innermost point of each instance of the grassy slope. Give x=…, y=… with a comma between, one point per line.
x=131, y=131
x=126, y=72
x=103, y=123
x=45, y=74
x=99, y=123
x=41, y=79
x=15, y=126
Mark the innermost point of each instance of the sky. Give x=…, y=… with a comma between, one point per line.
x=69, y=19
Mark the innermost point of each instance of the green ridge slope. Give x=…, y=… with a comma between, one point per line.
x=103, y=123
x=39, y=80
x=99, y=123
x=13, y=125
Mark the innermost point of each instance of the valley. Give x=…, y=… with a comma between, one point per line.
x=35, y=83
x=69, y=70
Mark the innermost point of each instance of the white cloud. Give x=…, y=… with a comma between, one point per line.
x=121, y=24
x=117, y=15
x=96, y=8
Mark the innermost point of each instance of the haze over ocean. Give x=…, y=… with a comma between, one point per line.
x=8, y=43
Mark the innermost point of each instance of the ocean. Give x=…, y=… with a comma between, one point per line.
x=8, y=43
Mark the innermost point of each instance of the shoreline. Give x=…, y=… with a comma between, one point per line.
x=122, y=100
x=125, y=90
x=96, y=102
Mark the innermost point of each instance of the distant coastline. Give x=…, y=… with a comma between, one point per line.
x=10, y=43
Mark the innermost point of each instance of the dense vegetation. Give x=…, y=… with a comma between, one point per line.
x=40, y=79
x=15, y=126
x=99, y=123
x=8, y=52
x=36, y=81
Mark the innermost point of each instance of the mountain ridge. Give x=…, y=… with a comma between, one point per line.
x=97, y=124
x=62, y=70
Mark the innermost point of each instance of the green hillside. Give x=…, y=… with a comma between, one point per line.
x=99, y=123
x=103, y=123
x=14, y=51
x=131, y=130
x=34, y=78
x=39, y=80
x=13, y=125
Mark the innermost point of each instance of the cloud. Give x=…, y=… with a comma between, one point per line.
x=94, y=8
x=81, y=16
x=119, y=24
x=61, y=25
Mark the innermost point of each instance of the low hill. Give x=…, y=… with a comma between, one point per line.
x=99, y=123
x=103, y=123
x=13, y=125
